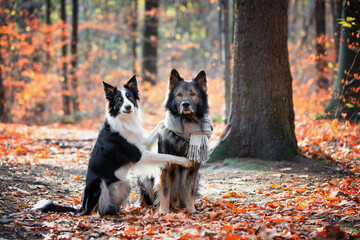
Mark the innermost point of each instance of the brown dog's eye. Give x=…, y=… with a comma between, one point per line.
x=180, y=94
x=192, y=94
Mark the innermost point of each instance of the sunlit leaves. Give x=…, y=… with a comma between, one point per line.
x=348, y=22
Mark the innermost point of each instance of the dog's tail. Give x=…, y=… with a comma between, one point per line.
x=47, y=206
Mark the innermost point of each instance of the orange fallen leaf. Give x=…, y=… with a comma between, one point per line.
x=274, y=185
x=132, y=196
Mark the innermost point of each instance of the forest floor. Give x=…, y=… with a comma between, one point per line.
x=240, y=198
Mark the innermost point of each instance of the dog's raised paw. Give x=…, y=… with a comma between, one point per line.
x=187, y=163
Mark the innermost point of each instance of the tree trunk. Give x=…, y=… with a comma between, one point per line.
x=336, y=9
x=227, y=55
x=151, y=23
x=65, y=87
x=345, y=102
x=320, y=59
x=308, y=20
x=261, y=123
x=134, y=19
x=73, y=75
x=3, y=112
x=48, y=34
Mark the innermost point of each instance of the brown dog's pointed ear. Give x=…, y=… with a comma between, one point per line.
x=133, y=86
x=201, y=80
x=175, y=78
x=109, y=90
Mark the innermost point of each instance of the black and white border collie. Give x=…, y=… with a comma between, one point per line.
x=120, y=146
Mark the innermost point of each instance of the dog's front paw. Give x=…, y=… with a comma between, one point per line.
x=191, y=209
x=164, y=211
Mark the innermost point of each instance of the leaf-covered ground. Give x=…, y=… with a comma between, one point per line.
x=240, y=198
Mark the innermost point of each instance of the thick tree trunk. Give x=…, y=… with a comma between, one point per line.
x=261, y=123
x=321, y=63
x=64, y=80
x=345, y=102
x=151, y=19
x=227, y=55
x=74, y=58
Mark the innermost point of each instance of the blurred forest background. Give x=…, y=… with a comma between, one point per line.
x=54, y=54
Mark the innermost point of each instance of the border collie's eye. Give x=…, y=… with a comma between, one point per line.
x=192, y=94
x=120, y=99
x=180, y=94
x=128, y=96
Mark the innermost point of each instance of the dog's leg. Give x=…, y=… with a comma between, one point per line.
x=148, y=157
x=113, y=196
x=153, y=136
x=147, y=191
x=192, y=181
x=164, y=192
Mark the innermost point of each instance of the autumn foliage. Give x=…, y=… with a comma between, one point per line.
x=38, y=146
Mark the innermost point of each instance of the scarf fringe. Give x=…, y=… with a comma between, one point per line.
x=199, y=148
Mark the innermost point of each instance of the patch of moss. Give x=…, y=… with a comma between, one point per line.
x=249, y=165
x=219, y=152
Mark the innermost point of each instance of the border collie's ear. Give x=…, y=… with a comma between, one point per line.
x=201, y=80
x=133, y=86
x=109, y=90
x=175, y=78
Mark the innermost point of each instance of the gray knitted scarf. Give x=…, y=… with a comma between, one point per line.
x=197, y=134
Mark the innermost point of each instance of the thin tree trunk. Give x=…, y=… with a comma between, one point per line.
x=134, y=19
x=321, y=62
x=261, y=122
x=73, y=75
x=227, y=55
x=308, y=20
x=336, y=9
x=48, y=34
x=150, y=41
x=3, y=112
x=64, y=80
x=345, y=102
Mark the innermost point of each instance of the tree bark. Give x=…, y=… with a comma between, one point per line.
x=64, y=80
x=320, y=59
x=74, y=58
x=227, y=55
x=261, y=123
x=151, y=23
x=345, y=102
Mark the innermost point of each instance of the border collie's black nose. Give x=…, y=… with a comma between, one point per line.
x=128, y=107
x=185, y=104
